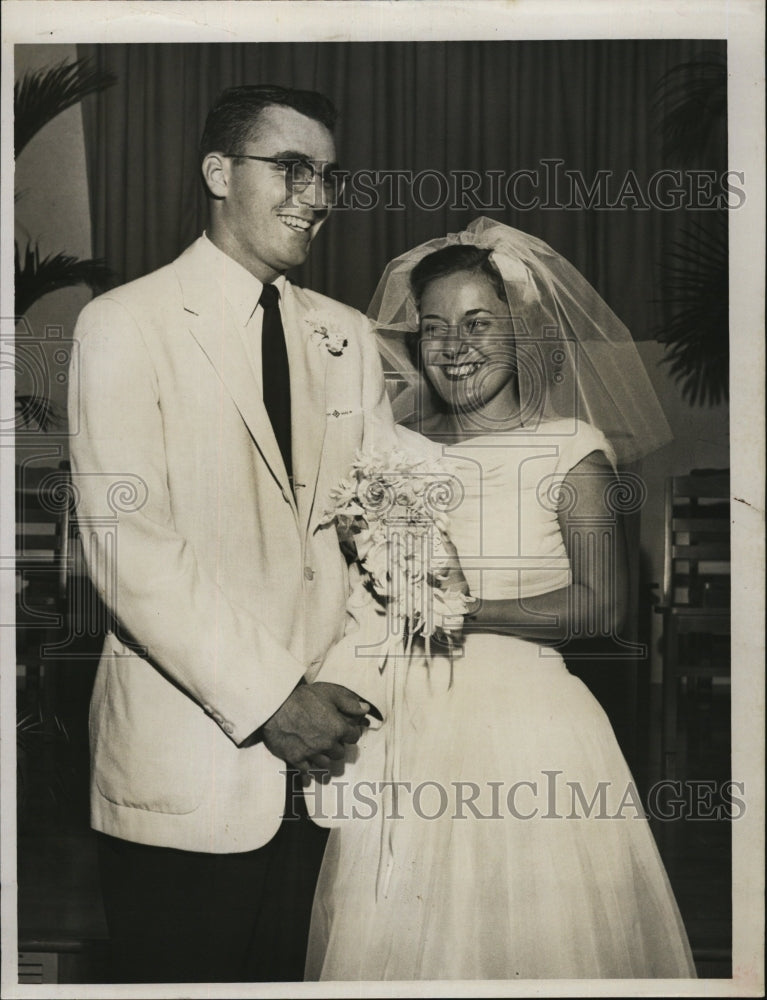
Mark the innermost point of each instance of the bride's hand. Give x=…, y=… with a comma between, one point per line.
x=447, y=614
x=450, y=590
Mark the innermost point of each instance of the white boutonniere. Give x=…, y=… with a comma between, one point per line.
x=325, y=332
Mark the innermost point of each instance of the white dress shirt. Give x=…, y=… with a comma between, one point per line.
x=242, y=290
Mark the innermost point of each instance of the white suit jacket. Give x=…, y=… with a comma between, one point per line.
x=224, y=590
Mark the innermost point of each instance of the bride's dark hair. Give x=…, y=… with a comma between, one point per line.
x=451, y=260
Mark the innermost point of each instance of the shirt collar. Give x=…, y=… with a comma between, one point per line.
x=241, y=289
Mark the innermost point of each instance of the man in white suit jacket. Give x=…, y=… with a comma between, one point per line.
x=224, y=589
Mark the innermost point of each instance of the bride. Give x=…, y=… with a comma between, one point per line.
x=489, y=827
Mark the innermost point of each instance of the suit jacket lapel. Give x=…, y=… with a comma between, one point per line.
x=206, y=308
x=308, y=371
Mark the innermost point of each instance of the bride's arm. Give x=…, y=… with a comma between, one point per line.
x=595, y=602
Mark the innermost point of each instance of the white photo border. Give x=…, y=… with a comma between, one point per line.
x=741, y=23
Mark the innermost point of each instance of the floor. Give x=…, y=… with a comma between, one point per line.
x=59, y=903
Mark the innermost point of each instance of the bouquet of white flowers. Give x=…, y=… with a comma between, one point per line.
x=394, y=507
x=393, y=511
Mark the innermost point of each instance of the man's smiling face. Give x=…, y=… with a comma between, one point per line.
x=258, y=223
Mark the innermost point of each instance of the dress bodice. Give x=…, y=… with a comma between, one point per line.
x=504, y=524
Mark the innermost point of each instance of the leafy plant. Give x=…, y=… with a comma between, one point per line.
x=697, y=291
x=691, y=102
x=36, y=410
x=35, y=277
x=44, y=772
x=40, y=95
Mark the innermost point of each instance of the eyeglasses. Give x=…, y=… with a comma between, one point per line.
x=471, y=327
x=300, y=172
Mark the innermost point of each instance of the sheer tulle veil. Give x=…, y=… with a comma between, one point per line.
x=575, y=358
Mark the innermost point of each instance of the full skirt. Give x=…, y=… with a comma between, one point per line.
x=516, y=846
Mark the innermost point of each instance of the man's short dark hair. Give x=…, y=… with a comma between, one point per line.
x=233, y=120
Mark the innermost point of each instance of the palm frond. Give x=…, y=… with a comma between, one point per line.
x=695, y=292
x=36, y=410
x=35, y=277
x=40, y=95
x=27, y=725
x=691, y=104
x=36, y=779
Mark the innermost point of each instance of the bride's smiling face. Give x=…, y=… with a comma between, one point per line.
x=467, y=345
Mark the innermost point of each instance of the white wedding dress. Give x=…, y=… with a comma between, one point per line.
x=516, y=848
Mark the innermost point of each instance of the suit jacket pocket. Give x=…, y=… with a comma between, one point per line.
x=148, y=737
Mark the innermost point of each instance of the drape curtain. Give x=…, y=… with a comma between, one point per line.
x=422, y=106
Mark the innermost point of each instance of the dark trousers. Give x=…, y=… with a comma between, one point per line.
x=178, y=916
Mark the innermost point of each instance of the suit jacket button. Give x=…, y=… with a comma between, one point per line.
x=308, y=573
x=228, y=728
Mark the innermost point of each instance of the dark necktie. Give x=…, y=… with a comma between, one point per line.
x=275, y=373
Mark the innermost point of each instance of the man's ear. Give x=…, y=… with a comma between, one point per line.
x=215, y=172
